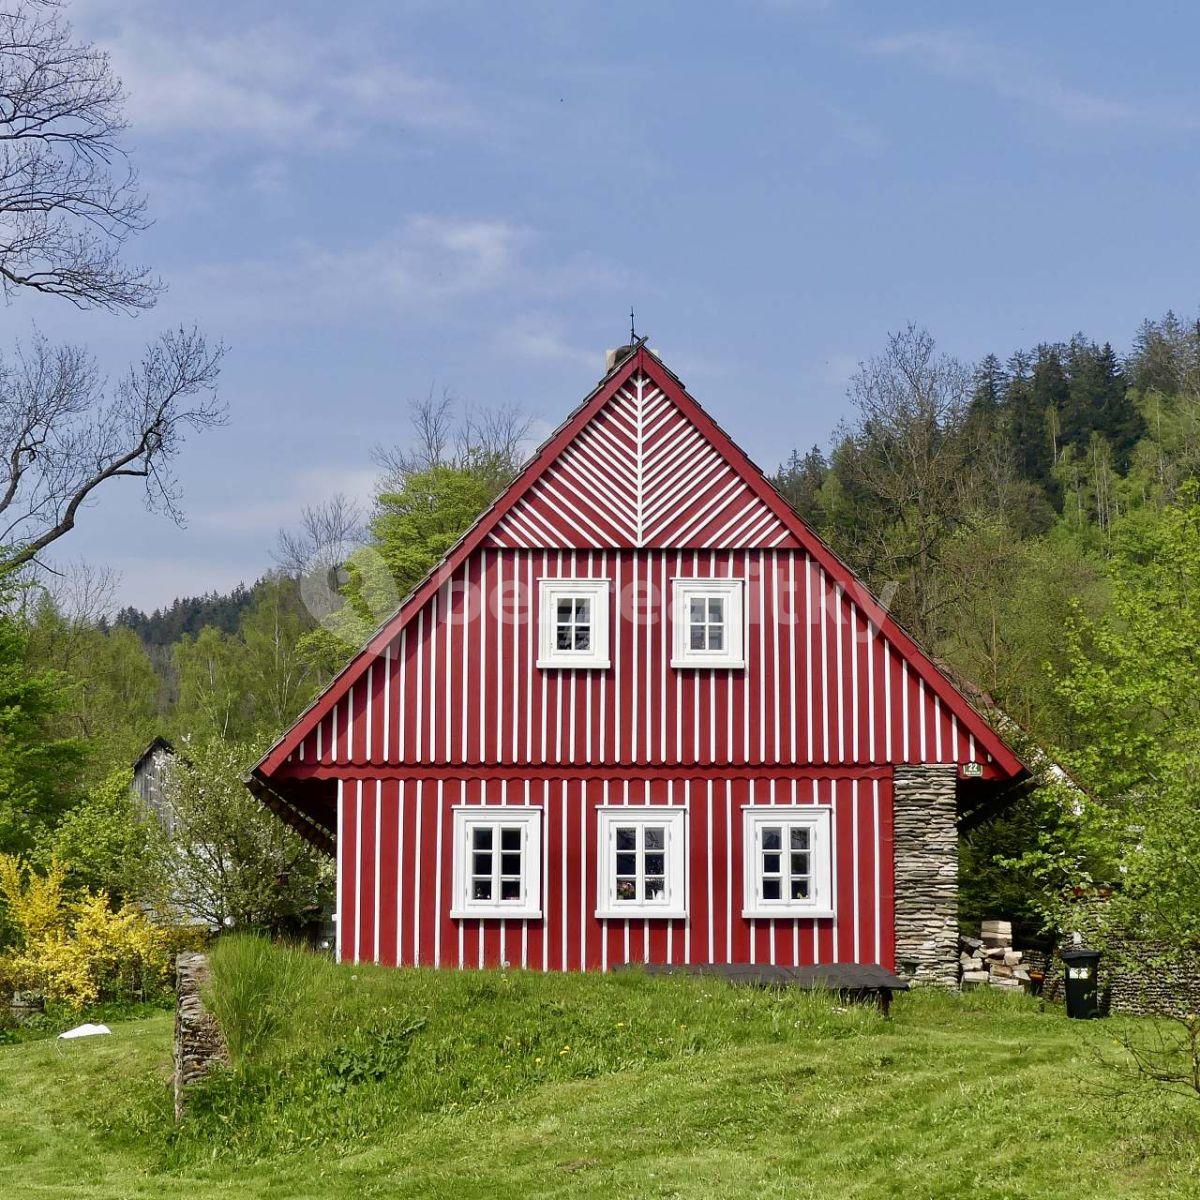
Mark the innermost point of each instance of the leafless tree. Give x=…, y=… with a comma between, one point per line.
x=912, y=454
x=321, y=539
x=449, y=433
x=65, y=434
x=68, y=196
x=83, y=593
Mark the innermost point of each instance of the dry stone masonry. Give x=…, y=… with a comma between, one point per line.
x=198, y=1041
x=926, y=855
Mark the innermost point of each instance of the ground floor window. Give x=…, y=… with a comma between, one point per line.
x=497, y=862
x=788, y=861
x=642, y=864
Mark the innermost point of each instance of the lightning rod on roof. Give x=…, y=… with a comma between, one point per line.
x=632, y=330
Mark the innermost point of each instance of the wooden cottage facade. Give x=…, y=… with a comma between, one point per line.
x=640, y=713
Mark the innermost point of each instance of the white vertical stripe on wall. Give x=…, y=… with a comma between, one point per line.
x=339, y=889
x=358, y=857
x=378, y=859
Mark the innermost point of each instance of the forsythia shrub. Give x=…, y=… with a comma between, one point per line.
x=78, y=952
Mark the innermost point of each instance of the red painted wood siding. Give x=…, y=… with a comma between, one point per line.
x=641, y=475
x=458, y=684
x=394, y=870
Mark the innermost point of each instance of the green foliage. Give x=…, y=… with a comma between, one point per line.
x=230, y=859
x=254, y=681
x=111, y=695
x=76, y=952
x=38, y=766
x=1131, y=687
x=416, y=524
x=107, y=844
x=1132, y=721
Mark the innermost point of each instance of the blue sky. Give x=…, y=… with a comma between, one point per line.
x=367, y=199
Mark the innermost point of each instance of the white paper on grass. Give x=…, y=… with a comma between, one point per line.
x=84, y=1031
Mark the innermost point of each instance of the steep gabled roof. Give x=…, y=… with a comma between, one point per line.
x=757, y=515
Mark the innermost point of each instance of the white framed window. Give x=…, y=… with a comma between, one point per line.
x=573, y=619
x=788, y=861
x=642, y=868
x=497, y=861
x=709, y=623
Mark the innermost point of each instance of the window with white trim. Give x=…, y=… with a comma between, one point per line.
x=788, y=861
x=497, y=861
x=573, y=618
x=709, y=623
x=642, y=869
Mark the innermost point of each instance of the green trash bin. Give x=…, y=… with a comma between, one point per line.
x=1083, y=982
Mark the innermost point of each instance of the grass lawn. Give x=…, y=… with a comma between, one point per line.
x=363, y=1082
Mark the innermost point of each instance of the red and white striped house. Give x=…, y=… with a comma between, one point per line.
x=639, y=713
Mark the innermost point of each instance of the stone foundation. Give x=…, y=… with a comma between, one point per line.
x=198, y=1042
x=926, y=856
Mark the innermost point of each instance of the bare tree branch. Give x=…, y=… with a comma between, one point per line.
x=447, y=433
x=63, y=437
x=68, y=196
x=321, y=540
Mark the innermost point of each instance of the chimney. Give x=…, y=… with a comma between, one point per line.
x=614, y=358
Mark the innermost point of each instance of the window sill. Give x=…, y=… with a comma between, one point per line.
x=495, y=914
x=640, y=911
x=788, y=914
x=561, y=664
x=724, y=664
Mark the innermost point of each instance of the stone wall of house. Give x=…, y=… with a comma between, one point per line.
x=198, y=1041
x=926, y=864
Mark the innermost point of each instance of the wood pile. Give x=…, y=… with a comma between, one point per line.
x=990, y=960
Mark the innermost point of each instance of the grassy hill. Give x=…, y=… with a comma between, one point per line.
x=358, y=1082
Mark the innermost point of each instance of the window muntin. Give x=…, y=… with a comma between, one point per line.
x=640, y=864
x=497, y=861
x=708, y=623
x=573, y=623
x=497, y=854
x=785, y=862
x=642, y=861
x=573, y=616
x=788, y=861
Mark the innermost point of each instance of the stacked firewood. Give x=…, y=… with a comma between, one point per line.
x=990, y=960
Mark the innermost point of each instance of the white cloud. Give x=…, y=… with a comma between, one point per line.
x=424, y=263
x=1014, y=76
x=268, y=84
x=539, y=338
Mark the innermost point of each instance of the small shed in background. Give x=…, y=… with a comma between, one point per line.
x=150, y=774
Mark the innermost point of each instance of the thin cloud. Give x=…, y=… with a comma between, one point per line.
x=537, y=338
x=425, y=263
x=271, y=84
x=962, y=57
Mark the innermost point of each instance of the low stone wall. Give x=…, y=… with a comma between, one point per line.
x=925, y=824
x=1137, y=979
x=198, y=1041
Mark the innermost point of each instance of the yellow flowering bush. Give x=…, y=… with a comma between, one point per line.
x=77, y=952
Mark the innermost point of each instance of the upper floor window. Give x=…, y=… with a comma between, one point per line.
x=788, y=861
x=709, y=623
x=643, y=864
x=573, y=623
x=497, y=861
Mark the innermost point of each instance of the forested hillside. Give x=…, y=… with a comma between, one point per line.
x=187, y=615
